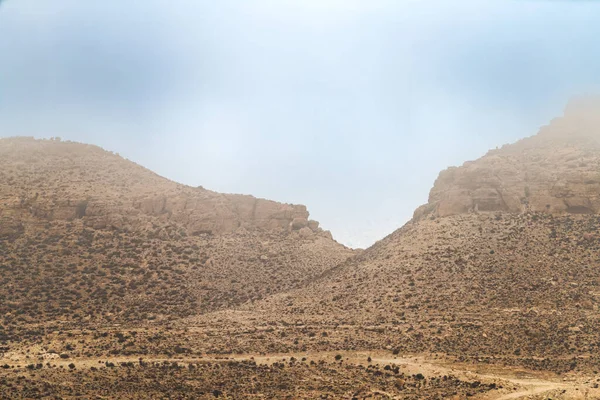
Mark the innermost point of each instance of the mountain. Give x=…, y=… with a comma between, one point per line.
x=50, y=180
x=501, y=266
x=87, y=237
x=555, y=171
x=117, y=283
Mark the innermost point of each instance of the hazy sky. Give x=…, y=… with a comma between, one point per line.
x=350, y=107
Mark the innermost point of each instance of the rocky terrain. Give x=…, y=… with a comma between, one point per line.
x=500, y=266
x=88, y=238
x=520, y=290
x=118, y=283
x=50, y=180
x=556, y=171
x=507, y=279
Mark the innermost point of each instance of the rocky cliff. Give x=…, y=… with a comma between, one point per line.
x=556, y=171
x=47, y=180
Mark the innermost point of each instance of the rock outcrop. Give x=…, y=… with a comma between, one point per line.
x=49, y=180
x=556, y=171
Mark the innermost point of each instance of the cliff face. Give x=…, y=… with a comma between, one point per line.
x=48, y=180
x=556, y=171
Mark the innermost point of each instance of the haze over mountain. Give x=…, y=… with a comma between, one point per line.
x=500, y=265
x=299, y=100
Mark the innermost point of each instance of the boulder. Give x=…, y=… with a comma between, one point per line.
x=313, y=225
x=298, y=223
x=326, y=234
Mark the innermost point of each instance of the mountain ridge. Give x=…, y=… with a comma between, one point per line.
x=197, y=209
x=88, y=238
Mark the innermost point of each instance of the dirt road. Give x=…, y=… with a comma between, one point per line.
x=512, y=383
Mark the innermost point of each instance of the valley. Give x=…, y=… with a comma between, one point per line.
x=118, y=283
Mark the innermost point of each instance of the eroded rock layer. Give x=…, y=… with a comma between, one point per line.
x=48, y=180
x=555, y=171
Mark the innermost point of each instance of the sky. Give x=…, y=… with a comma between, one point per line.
x=351, y=107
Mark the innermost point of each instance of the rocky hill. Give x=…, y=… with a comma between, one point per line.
x=89, y=237
x=555, y=171
x=50, y=180
x=501, y=266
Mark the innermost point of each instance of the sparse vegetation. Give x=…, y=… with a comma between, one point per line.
x=109, y=271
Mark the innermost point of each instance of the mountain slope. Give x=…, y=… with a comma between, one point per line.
x=501, y=264
x=87, y=237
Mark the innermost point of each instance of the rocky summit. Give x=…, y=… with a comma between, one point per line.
x=556, y=171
